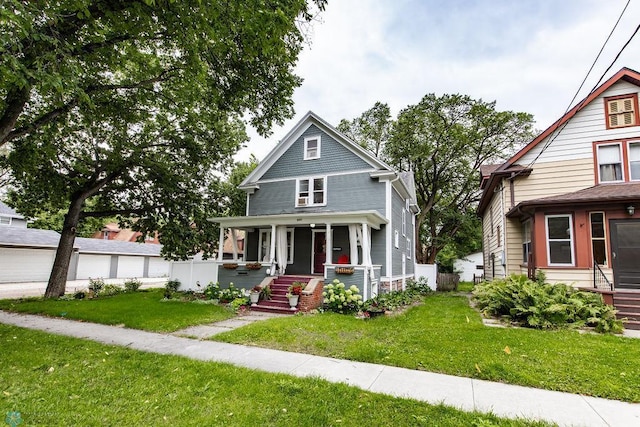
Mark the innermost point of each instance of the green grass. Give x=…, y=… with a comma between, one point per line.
x=55, y=380
x=445, y=335
x=465, y=286
x=137, y=310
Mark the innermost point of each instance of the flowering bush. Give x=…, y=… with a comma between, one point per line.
x=339, y=298
x=212, y=291
x=231, y=293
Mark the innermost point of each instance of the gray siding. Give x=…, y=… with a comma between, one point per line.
x=352, y=192
x=378, y=246
x=334, y=157
x=241, y=277
x=397, y=207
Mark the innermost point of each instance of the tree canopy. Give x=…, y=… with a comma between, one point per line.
x=444, y=140
x=371, y=129
x=136, y=106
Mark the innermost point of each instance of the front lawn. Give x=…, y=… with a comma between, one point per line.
x=138, y=310
x=445, y=335
x=53, y=380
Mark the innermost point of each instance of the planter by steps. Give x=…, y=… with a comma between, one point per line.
x=254, y=297
x=293, y=301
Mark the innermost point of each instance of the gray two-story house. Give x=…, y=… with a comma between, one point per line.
x=320, y=205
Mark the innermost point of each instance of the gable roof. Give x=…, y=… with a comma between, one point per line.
x=5, y=210
x=625, y=74
x=490, y=181
x=292, y=136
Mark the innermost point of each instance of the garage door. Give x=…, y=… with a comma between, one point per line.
x=25, y=265
x=130, y=266
x=158, y=267
x=93, y=266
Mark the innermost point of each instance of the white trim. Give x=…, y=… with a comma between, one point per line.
x=247, y=207
x=267, y=231
x=372, y=217
x=571, y=239
x=389, y=231
x=317, y=138
x=603, y=238
x=310, y=192
x=628, y=163
x=622, y=165
x=396, y=239
x=328, y=174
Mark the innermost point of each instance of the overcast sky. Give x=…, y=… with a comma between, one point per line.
x=527, y=55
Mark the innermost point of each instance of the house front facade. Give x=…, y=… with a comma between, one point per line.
x=321, y=206
x=568, y=203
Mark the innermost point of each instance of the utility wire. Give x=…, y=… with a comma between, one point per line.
x=557, y=131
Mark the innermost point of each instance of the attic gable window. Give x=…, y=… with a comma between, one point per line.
x=621, y=111
x=312, y=147
x=311, y=192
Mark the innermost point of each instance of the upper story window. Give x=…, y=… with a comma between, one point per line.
x=312, y=147
x=621, y=111
x=311, y=192
x=609, y=162
x=559, y=239
x=634, y=160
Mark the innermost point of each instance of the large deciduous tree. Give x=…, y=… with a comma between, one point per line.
x=371, y=129
x=135, y=106
x=444, y=140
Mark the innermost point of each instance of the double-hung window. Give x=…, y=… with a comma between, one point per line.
x=311, y=191
x=634, y=160
x=559, y=240
x=264, y=246
x=526, y=241
x=312, y=148
x=610, y=162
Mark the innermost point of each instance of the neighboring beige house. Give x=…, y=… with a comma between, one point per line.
x=568, y=203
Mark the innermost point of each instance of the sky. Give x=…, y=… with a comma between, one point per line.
x=526, y=55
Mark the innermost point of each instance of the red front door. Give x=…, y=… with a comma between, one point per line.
x=319, y=252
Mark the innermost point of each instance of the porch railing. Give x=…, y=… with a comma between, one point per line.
x=600, y=281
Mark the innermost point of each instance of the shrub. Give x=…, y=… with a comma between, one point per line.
x=212, y=291
x=231, y=293
x=133, y=285
x=239, y=304
x=340, y=299
x=96, y=285
x=420, y=286
x=110, y=290
x=172, y=285
x=542, y=305
x=392, y=300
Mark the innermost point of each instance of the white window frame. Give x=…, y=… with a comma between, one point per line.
x=629, y=143
x=309, y=196
x=263, y=233
x=396, y=239
x=526, y=241
x=570, y=239
x=404, y=222
x=7, y=220
x=408, y=248
x=306, y=147
x=622, y=168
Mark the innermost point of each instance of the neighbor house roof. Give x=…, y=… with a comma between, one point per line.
x=36, y=238
x=7, y=211
x=602, y=193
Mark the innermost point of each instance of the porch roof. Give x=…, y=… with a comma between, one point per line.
x=372, y=218
x=598, y=194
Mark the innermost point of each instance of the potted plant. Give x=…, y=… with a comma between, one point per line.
x=254, y=295
x=293, y=300
x=294, y=292
x=266, y=293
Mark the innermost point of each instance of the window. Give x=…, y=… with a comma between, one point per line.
x=526, y=241
x=621, y=111
x=5, y=220
x=396, y=239
x=105, y=235
x=404, y=222
x=610, y=163
x=598, y=239
x=264, y=246
x=312, y=148
x=634, y=160
x=311, y=192
x=498, y=236
x=408, y=249
x=559, y=240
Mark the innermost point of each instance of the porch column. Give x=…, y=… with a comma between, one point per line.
x=272, y=250
x=234, y=245
x=221, y=243
x=329, y=245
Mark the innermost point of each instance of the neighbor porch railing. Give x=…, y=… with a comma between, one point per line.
x=600, y=281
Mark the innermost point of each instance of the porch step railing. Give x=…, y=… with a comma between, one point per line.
x=600, y=281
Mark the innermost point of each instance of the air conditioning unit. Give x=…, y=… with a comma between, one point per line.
x=303, y=201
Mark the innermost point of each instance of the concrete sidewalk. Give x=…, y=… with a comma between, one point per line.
x=464, y=393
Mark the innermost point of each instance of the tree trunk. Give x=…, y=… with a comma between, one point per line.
x=58, y=279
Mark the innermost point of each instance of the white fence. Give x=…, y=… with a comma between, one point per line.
x=194, y=272
x=429, y=271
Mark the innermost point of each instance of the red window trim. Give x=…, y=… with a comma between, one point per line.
x=634, y=96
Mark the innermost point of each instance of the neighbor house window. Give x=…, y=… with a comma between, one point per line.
x=634, y=160
x=621, y=111
x=598, y=239
x=559, y=240
x=311, y=192
x=312, y=147
x=610, y=162
x=526, y=241
x=264, y=246
x=5, y=220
